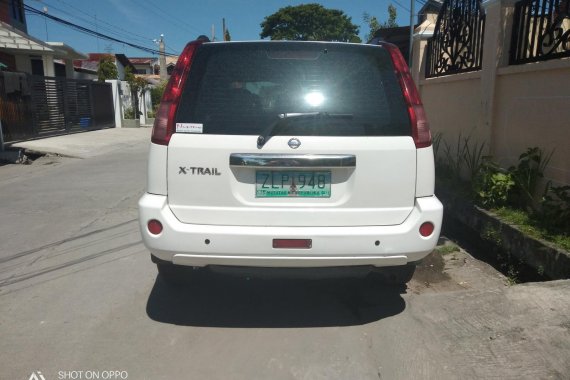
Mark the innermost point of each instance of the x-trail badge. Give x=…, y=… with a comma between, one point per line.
x=294, y=143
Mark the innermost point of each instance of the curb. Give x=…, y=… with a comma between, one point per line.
x=544, y=257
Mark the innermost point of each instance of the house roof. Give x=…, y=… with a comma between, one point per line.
x=92, y=63
x=430, y=6
x=171, y=59
x=141, y=61
x=16, y=41
x=124, y=60
x=70, y=53
x=98, y=56
x=399, y=36
x=86, y=64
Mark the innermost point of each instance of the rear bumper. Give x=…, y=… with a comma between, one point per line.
x=203, y=245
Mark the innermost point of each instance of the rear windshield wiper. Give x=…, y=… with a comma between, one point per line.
x=271, y=129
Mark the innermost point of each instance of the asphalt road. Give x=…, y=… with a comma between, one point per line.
x=79, y=293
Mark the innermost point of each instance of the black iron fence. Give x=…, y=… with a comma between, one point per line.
x=36, y=106
x=541, y=31
x=457, y=42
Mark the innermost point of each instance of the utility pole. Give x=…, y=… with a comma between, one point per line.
x=412, y=3
x=224, y=28
x=213, y=33
x=162, y=58
x=45, y=20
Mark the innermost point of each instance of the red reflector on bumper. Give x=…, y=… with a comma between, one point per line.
x=426, y=229
x=293, y=243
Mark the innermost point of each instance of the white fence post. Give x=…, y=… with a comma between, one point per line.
x=115, y=88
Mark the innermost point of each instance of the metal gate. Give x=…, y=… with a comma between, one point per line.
x=36, y=106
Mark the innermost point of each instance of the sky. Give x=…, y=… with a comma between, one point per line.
x=141, y=21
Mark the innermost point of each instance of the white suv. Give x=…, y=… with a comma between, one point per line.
x=290, y=155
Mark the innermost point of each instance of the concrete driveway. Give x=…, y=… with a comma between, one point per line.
x=79, y=297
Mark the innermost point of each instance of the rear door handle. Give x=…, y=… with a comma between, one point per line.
x=257, y=160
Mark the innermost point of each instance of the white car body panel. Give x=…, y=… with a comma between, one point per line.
x=156, y=172
x=425, y=172
x=185, y=244
x=379, y=190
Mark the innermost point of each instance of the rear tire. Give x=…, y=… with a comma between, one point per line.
x=399, y=275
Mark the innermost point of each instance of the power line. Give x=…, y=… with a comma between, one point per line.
x=422, y=2
x=136, y=36
x=145, y=38
x=94, y=23
x=88, y=31
x=169, y=48
x=401, y=6
x=181, y=22
x=167, y=17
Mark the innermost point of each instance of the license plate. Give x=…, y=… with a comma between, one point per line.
x=285, y=184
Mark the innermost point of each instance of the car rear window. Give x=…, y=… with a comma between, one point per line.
x=343, y=89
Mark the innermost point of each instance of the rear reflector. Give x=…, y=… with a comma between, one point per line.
x=154, y=227
x=426, y=229
x=293, y=243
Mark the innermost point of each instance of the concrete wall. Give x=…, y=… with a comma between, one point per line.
x=510, y=108
x=533, y=109
x=127, y=101
x=453, y=107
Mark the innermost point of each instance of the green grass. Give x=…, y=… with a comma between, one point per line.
x=447, y=249
x=527, y=225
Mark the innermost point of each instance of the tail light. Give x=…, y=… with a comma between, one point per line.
x=418, y=119
x=164, y=122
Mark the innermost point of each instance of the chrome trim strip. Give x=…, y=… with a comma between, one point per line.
x=256, y=160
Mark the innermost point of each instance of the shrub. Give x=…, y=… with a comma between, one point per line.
x=454, y=158
x=107, y=69
x=527, y=174
x=157, y=92
x=473, y=157
x=492, y=185
x=555, y=209
x=129, y=113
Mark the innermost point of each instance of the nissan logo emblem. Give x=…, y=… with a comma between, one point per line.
x=294, y=143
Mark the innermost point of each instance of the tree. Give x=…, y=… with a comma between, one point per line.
x=156, y=93
x=392, y=14
x=227, y=37
x=309, y=22
x=107, y=69
x=374, y=25
x=138, y=87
